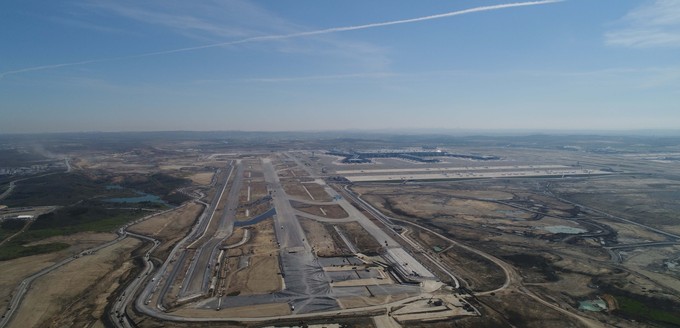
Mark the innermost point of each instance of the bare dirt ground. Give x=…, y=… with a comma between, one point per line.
x=357, y=302
x=628, y=233
x=252, y=211
x=257, y=203
x=651, y=263
x=202, y=178
x=321, y=238
x=647, y=200
x=82, y=239
x=216, y=164
x=573, y=284
x=483, y=215
x=294, y=188
x=258, y=189
x=169, y=227
x=479, y=273
x=391, y=189
x=329, y=211
x=297, y=172
x=363, y=241
x=317, y=192
x=522, y=311
x=90, y=308
x=260, y=276
x=426, y=205
x=235, y=237
x=251, y=311
x=13, y=271
x=560, y=268
x=171, y=167
x=119, y=163
x=76, y=293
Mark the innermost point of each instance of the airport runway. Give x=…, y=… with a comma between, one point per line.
x=307, y=285
x=304, y=276
x=179, y=252
x=200, y=273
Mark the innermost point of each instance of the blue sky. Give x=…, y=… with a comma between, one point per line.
x=96, y=65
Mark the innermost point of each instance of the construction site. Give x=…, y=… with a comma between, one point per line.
x=307, y=237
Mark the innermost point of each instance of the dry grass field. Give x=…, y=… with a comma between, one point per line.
x=642, y=199
x=202, y=178
x=512, y=219
x=76, y=293
x=357, y=302
x=317, y=191
x=328, y=211
x=170, y=227
x=294, y=188
x=479, y=273
x=251, y=311
x=357, y=235
x=260, y=276
x=322, y=237
x=12, y=272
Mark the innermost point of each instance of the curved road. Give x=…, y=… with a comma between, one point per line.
x=22, y=288
x=512, y=277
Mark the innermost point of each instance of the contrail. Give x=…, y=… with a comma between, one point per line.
x=289, y=36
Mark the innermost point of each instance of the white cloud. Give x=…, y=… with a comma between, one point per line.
x=205, y=20
x=214, y=21
x=245, y=12
x=655, y=24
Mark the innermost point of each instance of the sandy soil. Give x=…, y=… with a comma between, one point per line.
x=59, y=290
x=252, y=311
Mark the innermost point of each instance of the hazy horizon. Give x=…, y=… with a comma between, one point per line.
x=546, y=66
x=395, y=132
